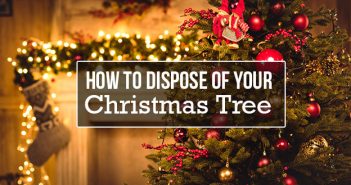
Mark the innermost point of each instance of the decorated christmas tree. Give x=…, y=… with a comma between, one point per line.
x=313, y=148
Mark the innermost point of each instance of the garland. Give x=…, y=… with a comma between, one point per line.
x=62, y=56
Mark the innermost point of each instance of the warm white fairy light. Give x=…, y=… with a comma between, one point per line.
x=73, y=45
x=108, y=37
x=163, y=48
x=93, y=55
x=28, y=126
x=117, y=35
x=34, y=44
x=101, y=33
x=102, y=50
x=112, y=52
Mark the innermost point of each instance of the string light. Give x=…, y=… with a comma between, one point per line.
x=59, y=56
x=28, y=131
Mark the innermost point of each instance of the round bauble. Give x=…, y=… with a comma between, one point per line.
x=278, y=8
x=226, y=174
x=213, y=133
x=314, y=109
x=255, y=22
x=219, y=120
x=289, y=180
x=300, y=22
x=264, y=161
x=269, y=56
x=312, y=149
x=180, y=135
x=282, y=144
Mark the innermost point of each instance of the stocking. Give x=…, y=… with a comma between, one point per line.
x=52, y=135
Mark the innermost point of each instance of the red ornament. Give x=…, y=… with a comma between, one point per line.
x=270, y=55
x=289, y=180
x=180, y=135
x=314, y=109
x=213, y=133
x=300, y=22
x=282, y=144
x=264, y=161
x=219, y=120
x=278, y=8
x=256, y=23
x=78, y=57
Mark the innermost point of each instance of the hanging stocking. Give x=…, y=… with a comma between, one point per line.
x=52, y=135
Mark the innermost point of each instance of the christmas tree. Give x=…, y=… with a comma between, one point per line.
x=313, y=148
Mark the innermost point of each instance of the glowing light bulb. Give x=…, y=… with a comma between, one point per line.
x=53, y=95
x=112, y=52
x=54, y=58
x=163, y=48
x=93, y=54
x=101, y=33
x=108, y=36
x=45, y=76
x=23, y=133
x=73, y=46
x=118, y=34
x=102, y=50
x=56, y=109
x=29, y=179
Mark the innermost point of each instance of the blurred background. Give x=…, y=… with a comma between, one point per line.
x=95, y=156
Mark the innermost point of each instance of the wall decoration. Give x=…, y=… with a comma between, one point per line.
x=5, y=7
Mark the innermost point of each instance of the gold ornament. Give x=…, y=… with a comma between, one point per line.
x=312, y=148
x=226, y=174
